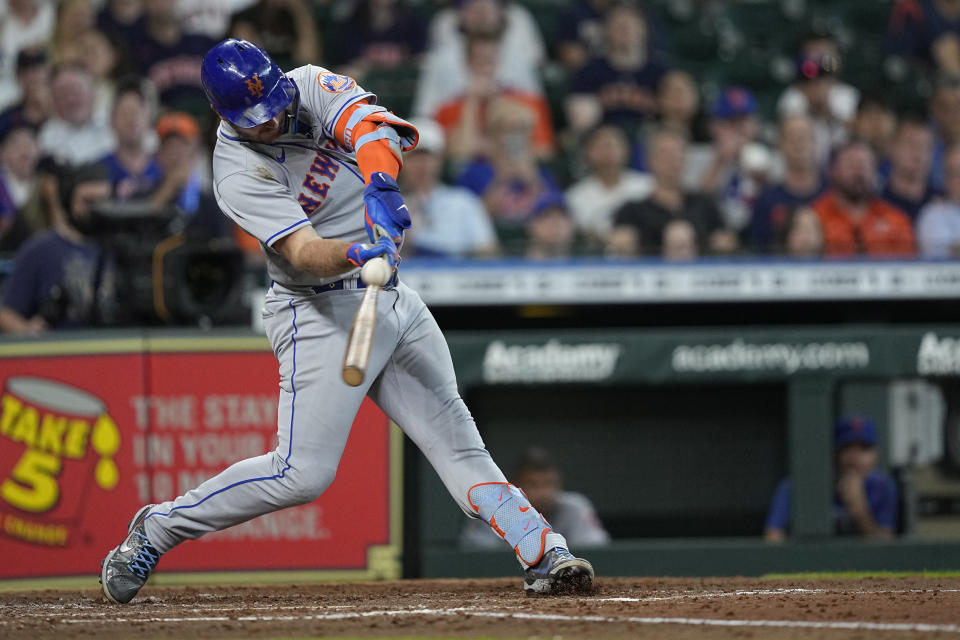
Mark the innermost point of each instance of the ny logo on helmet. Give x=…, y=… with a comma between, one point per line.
x=254, y=86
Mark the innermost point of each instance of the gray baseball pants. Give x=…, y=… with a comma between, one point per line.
x=410, y=377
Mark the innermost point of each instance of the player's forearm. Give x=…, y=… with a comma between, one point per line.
x=322, y=257
x=865, y=524
x=13, y=322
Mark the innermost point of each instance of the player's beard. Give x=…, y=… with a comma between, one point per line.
x=265, y=133
x=271, y=130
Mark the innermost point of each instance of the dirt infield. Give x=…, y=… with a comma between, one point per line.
x=619, y=608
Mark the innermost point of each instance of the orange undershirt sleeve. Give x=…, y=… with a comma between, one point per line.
x=374, y=156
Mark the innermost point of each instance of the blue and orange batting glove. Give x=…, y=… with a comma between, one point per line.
x=360, y=252
x=385, y=213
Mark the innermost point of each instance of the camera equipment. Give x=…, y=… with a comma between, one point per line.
x=163, y=272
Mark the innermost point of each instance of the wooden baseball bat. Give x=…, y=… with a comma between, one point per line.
x=357, y=357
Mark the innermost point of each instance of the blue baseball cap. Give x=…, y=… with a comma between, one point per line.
x=734, y=102
x=854, y=429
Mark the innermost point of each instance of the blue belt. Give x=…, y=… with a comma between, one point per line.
x=339, y=284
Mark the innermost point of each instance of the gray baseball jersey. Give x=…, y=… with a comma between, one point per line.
x=271, y=191
x=306, y=177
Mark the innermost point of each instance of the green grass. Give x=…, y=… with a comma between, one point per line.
x=858, y=575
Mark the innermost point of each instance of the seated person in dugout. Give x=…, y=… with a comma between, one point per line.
x=572, y=514
x=864, y=499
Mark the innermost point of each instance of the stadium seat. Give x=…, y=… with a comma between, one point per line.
x=547, y=14
x=694, y=42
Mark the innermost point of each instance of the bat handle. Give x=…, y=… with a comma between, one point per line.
x=357, y=357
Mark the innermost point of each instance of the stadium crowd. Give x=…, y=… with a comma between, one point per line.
x=550, y=129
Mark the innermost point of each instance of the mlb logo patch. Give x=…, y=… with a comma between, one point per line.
x=335, y=83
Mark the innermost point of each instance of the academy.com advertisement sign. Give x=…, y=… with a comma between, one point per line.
x=85, y=440
x=728, y=355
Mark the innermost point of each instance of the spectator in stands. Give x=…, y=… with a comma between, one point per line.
x=75, y=134
x=855, y=220
x=74, y=18
x=550, y=231
x=285, y=28
x=864, y=499
x=911, y=156
x=380, y=34
x=801, y=235
x=444, y=75
x=945, y=109
x=35, y=105
x=98, y=55
x=818, y=93
x=608, y=185
x=121, y=21
x=210, y=18
x=876, y=124
x=678, y=105
x=183, y=181
x=510, y=180
x=464, y=117
x=680, y=241
x=733, y=169
x=20, y=213
x=447, y=221
x=171, y=58
x=134, y=172
x=802, y=182
x=570, y=514
x=927, y=30
x=938, y=227
x=61, y=279
x=581, y=33
x=638, y=226
x=27, y=24
x=620, y=86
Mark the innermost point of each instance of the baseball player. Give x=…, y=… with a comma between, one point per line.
x=307, y=163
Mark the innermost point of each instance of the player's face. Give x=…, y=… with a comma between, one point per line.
x=858, y=458
x=265, y=133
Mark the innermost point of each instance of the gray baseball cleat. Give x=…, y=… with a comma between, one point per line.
x=559, y=572
x=126, y=568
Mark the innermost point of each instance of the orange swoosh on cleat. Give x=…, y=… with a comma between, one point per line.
x=524, y=509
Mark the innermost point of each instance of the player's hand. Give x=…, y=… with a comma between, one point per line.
x=360, y=252
x=850, y=487
x=385, y=213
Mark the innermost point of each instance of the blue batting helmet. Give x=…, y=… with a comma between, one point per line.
x=243, y=84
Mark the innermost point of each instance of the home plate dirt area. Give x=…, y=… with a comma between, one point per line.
x=619, y=608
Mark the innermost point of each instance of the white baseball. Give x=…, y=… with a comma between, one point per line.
x=376, y=271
